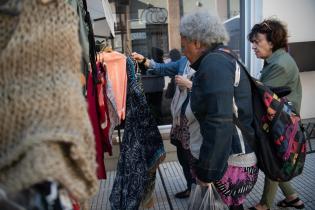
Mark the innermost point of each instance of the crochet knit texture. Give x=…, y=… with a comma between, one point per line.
x=45, y=132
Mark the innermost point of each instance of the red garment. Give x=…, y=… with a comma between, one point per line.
x=74, y=202
x=104, y=119
x=97, y=109
x=75, y=205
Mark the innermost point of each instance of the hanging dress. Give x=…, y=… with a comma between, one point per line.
x=141, y=150
x=99, y=116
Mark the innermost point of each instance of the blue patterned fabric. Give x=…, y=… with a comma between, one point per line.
x=141, y=150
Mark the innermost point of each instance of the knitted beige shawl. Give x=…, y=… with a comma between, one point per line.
x=45, y=132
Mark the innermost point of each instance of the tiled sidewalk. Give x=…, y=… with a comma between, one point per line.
x=174, y=182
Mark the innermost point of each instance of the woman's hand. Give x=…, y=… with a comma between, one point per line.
x=183, y=82
x=138, y=57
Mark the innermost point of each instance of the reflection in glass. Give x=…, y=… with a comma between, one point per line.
x=142, y=25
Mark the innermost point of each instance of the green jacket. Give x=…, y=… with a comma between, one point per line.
x=281, y=70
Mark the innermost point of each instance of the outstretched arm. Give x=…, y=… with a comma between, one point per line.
x=162, y=69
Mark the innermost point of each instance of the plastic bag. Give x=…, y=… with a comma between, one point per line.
x=206, y=198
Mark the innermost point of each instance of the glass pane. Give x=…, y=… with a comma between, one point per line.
x=148, y=26
x=228, y=11
x=232, y=24
x=151, y=28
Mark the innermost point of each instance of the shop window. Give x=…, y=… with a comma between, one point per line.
x=149, y=27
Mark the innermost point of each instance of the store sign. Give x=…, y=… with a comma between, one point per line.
x=138, y=35
x=154, y=15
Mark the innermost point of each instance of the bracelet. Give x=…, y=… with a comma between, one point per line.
x=143, y=61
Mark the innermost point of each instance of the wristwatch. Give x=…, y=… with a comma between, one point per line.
x=143, y=61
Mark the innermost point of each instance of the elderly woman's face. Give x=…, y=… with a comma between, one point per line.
x=189, y=49
x=261, y=46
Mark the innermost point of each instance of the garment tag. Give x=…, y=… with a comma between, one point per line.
x=65, y=200
x=46, y=1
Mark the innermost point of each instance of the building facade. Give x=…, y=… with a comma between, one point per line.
x=141, y=25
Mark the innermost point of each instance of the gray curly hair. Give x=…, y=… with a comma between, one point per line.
x=204, y=27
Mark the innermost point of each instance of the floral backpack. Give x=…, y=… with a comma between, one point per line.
x=280, y=141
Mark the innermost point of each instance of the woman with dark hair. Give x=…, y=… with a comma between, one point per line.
x=157, y=54
x=270, y=42
x=175, y=55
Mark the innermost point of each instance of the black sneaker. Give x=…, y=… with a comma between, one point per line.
x=183, y=194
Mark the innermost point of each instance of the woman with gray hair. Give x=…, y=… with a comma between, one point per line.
x=220, y=91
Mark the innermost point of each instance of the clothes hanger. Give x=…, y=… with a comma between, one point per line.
x=128, y=51
x=107, y=47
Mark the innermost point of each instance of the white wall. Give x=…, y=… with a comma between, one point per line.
x=299, y=15
x=308, y=97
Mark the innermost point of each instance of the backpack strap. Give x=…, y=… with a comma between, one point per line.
x=237, y=75
x=235, y=109
x=234, y=56
x=249, y=138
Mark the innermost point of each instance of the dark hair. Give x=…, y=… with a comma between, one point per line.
x=175, y=54
x=157, y=54
x=276, y=33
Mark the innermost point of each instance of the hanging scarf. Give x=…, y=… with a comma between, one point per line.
x=141, y=150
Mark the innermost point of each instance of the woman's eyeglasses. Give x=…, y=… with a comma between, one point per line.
x=266, y=24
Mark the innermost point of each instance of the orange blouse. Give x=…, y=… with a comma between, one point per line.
x=117, y=74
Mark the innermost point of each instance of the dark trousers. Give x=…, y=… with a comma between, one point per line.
x=240, y=207
x=183, y=159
